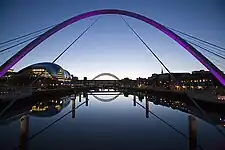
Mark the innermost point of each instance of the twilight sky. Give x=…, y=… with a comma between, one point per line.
x=110, y=46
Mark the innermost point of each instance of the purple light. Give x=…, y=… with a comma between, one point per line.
x=24, y=51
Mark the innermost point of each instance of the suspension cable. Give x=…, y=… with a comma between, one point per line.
x=214, y=60
x=195, y=103
x=171, y=126
x=26, y=35
x=223, y=49
x=5, y=49
x=203, y=48
x=12, y=102
x=50, y=125
x=68, y=47
x=212, y=48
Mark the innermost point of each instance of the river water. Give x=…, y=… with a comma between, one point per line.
x=109, y=122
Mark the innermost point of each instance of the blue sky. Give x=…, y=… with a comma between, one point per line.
x=110, y=46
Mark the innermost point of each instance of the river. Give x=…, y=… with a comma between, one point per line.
x=110, y=120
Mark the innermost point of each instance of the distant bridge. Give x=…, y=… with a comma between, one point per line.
x=106, y=74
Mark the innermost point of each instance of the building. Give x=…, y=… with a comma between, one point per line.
x=45, y=73
x=9, y=73
x=46, y=70
x=195, y=80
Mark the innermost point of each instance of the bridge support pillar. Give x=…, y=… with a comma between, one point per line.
x=24, y=129
x=79, y=97
x=73, y=108
x=86, y=102
x=147, y=105
x=134, y=100
x=192, y=133
x=84, y=94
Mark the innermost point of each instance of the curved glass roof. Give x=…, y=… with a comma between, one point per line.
x=52, y=68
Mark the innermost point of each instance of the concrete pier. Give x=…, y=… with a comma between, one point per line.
x=86, y=101
x=79, y=97
x=134, y=101
x=192, y=133
x=73, y=108
x=147, y=105
x=24, y=130
x=84, y=94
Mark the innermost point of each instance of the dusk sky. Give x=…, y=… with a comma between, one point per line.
x=110, y=46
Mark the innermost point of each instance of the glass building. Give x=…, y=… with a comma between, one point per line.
x=46, y=70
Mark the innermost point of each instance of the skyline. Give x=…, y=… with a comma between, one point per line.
x=98, y=51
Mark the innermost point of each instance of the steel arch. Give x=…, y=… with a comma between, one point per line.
x=106, y=74
x=201, y=58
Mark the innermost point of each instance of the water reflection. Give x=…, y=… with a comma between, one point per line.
x=46, y=108
x=89, y=119
x=49, y=108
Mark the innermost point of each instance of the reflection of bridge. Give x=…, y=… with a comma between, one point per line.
x=96, y=96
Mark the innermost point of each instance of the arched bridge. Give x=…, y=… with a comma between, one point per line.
x=106, y=74
x=201, y=58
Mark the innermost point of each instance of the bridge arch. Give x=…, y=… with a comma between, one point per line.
x=201, y=58
x=106, y=74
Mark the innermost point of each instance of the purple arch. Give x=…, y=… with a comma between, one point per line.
x=201, y=58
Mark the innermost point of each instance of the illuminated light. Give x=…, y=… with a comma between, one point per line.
x=34, y=108
x=60, y=102
x=199, y=87
x=220, y=97
x=58, y=107
x=38, y=70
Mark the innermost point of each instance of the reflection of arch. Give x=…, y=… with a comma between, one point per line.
x=201, y=58
x=104, y=99
x=106, y=74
